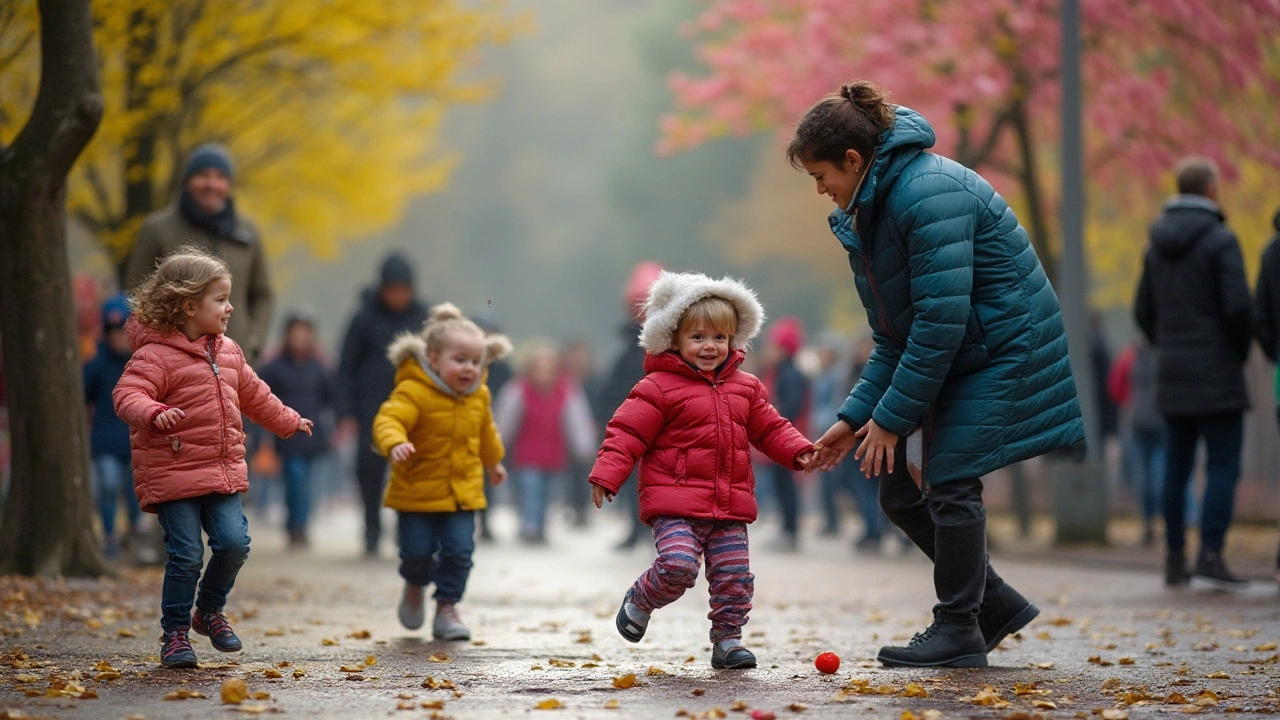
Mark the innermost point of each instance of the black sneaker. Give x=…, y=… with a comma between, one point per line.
x=633, y=622
x=1003, y=613
x=176, y=650
x=1175, y=570
x=732, y=658
x=1211, y=568
x=940, y=645
x=215, y=626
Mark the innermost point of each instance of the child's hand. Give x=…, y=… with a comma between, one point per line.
x=168, y=418
x=402, y=452
x=497, y=474
x=599, y=495
x=305, y=425
x=804, y=459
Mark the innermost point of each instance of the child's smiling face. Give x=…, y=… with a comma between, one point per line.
x=459, y=361
x=702, y=346
x=211, y=314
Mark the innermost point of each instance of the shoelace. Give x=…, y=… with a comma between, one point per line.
x=176, y=641
x=923, y=636
x=217, y=624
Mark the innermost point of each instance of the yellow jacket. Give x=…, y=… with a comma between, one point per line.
x=453, y=435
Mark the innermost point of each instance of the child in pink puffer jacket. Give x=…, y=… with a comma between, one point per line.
x=182, y=394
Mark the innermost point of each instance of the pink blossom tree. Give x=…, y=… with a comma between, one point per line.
x=1163, y=78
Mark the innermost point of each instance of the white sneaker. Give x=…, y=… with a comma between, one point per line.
x=411, y=612
x=447, y=625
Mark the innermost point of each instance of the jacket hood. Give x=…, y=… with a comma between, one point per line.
x=674, y=293
x=409, y=354
x=139, y=335
x=1184, y=220
x=910, y=135
x=371, y=300
x=670, y=361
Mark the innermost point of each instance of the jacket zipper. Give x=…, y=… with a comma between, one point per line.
x=715, y=395
x=222, y=411
x=875, y=290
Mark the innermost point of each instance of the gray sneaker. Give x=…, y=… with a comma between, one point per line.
x=730, y=655
x=447, y=625
x=411, y=612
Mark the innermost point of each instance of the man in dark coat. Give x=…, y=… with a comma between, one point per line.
x=1193, y=304
x=366, y=377
x=1266, y=313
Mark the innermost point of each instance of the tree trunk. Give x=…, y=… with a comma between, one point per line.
x=1029, y=176
x=47, y=526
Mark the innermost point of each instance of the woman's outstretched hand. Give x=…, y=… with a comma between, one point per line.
x=832, y=447
x=876, y=450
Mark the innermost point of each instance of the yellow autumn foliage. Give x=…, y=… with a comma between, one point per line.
x=331, y=108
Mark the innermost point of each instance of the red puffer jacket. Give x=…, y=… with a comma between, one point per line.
x=692, y=438
x=203, y=453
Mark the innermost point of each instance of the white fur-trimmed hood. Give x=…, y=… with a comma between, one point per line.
x=413, y=345
x=674, y=293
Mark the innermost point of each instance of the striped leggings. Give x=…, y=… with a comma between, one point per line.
x=681, y=543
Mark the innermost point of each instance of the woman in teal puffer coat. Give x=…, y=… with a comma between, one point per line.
x=970, y=370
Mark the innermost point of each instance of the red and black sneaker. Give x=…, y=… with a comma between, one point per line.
x=176, y=650
x=214, y=625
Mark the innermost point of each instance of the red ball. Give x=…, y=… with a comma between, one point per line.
x=827, y=662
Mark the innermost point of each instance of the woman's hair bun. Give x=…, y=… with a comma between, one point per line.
x=870, y=99
x=445, y=311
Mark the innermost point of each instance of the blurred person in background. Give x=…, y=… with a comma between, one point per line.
x=789, y=393
x=302, y=381
x=366, y=377
x=828, y=392
x=500, y=372
x=1266, y=314
x=1131, y=385
x=544, y=420
x=205, y=215
x=579, y=364
x=108, y=434
x=1193, y=304
x=627, y=370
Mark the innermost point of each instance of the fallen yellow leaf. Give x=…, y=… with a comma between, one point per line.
x=275, y=674
x=1044, y=705
x=274, y=632
x=184, y=694
x=549, y=704
x=438, y=658
x=739, y=706
x=371, y=661
x=915, y=690
x=328, y=642
x=1114, y=714
x=252, y=709
x=1266, y=647
x=652, y=671
x=298, y=673
x=612, y=704
x=797, y=707
x=234, y=691
x=360, y=635
x=1045, y=665
x=104, y=666
x=1218, y=676
x=351, y=668
x=1125, y=661
x=125, y=633
x=1206, y=698
x=624, y=682
x=260, y=695
x=432, y=704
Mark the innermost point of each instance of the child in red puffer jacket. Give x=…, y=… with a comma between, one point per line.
x=690, y=423
x=182, y=394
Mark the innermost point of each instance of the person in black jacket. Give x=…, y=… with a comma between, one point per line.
x=300, y=379
x=1193, y=304
x=789, y=393
x=366, y=377
x=1266, y=314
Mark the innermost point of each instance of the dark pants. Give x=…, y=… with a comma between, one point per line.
x=1223, y=437
x=436, y=548
x=297, y=491
x=784, y=484
x=579, y=491
x=371, y=474
x=865, y=491
x=948, y=522
x=222, y=519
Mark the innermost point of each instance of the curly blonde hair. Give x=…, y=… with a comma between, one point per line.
x=185, y=275
x=446, y=318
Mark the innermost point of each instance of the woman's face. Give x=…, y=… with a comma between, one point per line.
x=838, y=182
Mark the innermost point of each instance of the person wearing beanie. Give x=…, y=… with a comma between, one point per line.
x=789, y=392
x=108, y=434
x=366, y=377
x=205, y=216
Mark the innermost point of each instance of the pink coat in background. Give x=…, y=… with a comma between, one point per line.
x=204, y=452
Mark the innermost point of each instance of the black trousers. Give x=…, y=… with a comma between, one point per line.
x=949, y=524
x=371, y=475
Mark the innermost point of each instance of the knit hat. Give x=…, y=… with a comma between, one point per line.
x=115, y=311
x=787, y=332
x=674, y=293
x=396, y=270
x=209, y=155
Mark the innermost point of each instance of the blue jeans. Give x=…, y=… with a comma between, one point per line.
x=436, y=548
x=114, y=479
x=533, y=485
x=296, y=470
x=784, y=484
x=1223, y=437
x=222, y=519
x=1145, y=459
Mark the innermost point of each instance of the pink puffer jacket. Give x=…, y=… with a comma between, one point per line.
x=203, y=453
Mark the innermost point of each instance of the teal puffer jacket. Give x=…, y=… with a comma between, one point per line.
x=969, y=337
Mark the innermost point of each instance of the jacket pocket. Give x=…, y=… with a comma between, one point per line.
x=682, y=466
x=972, y=355
x=172, y=442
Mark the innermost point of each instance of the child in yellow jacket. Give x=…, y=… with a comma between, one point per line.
x=437, y=428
